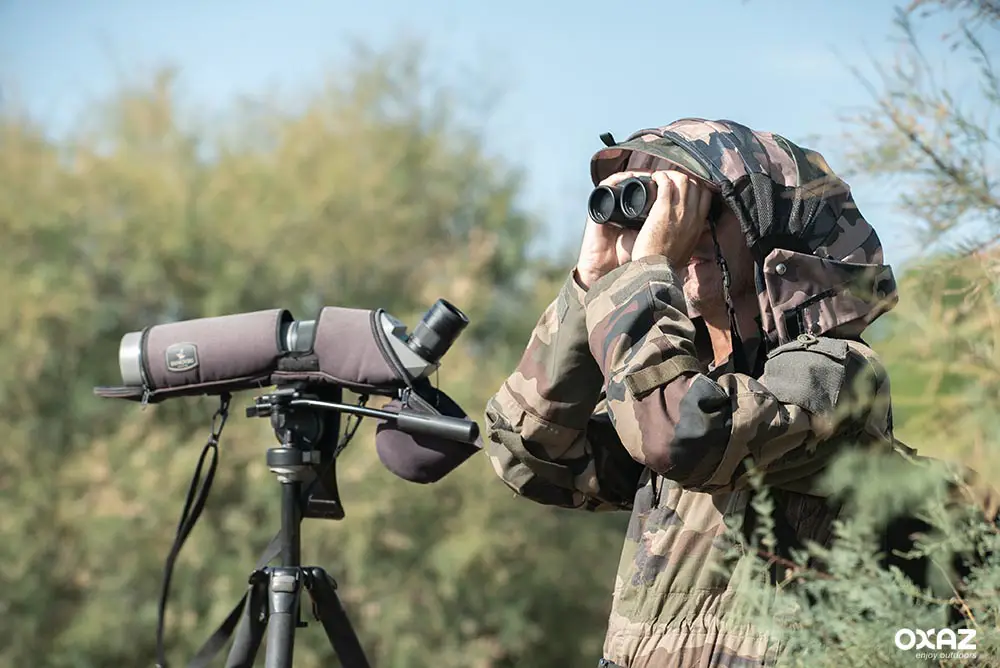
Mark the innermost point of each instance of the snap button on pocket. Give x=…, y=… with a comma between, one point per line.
x=806, y=338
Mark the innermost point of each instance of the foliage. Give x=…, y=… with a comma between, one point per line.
x=839, y=606
x=942, y=347
x=936, y=131
x=376, y=192
x=372, y=194
x=938, y=134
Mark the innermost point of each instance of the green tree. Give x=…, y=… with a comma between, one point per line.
x=941, y=347
x=366, y=195
x=935, y=131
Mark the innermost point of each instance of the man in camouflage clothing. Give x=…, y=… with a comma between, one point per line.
x=647, y=385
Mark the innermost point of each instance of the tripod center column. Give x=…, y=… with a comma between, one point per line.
x=289, y=465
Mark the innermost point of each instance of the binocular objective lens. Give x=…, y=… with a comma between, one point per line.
x=601, y=205
x=634, y=198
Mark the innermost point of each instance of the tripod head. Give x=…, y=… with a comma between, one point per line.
x=310, y=444
x=306, y=421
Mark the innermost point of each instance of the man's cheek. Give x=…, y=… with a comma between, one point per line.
x=702, y=271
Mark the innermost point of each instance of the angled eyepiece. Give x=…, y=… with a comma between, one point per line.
x=437, y=330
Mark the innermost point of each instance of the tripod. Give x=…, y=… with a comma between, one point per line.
x=305, y=465
x=273, y=602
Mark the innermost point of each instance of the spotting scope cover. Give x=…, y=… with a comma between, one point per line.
x=365, y=351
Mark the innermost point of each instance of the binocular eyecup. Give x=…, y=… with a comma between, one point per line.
x=624, y=204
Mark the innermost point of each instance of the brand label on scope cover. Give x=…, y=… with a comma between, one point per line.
x=182, y=357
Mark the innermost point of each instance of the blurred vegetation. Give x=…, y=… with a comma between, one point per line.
x=367, y=196
x=935, y=133
x=935, y=137
x=372, y=193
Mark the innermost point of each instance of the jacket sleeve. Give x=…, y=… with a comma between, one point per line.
x=548, y=433
x=815, y=396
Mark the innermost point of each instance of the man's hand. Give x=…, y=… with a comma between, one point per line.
x=605, y=247
x=675, y=221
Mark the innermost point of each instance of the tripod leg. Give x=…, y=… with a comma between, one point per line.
x=283, y=598
x=250, y=631
x=334, y=619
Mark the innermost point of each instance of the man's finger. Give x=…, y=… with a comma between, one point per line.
x=691, y=191
x=617, y=178
x=664, y=187
x=625, y=244
x=704, y=203
x=697, y=195
x=682, y=186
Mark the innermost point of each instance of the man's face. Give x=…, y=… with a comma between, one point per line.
x=703, y=277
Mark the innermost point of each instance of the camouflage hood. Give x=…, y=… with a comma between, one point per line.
x=819, y=263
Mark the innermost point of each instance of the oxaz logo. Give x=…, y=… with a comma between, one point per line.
x=907, y=639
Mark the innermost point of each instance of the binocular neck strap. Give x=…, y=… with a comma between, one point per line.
x=739, y=356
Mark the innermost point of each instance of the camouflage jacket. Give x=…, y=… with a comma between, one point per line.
x=610, y=407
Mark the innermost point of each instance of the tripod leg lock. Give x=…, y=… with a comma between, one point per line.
x=284, y=592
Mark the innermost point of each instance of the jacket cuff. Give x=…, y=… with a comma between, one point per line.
x=629, y=278
x=628, y=297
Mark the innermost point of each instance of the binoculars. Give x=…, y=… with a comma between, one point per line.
x=625, y=204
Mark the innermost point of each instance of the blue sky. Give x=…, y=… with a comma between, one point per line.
x=774, y=65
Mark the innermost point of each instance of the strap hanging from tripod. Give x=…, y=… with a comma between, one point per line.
x=221, y=636
x=193, y=505
x=245, y=608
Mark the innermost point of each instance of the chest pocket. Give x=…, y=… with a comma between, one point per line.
x=808, y=372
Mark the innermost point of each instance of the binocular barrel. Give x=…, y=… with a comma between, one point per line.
x=625, y=204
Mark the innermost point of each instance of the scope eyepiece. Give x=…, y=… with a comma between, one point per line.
x=436, y=331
